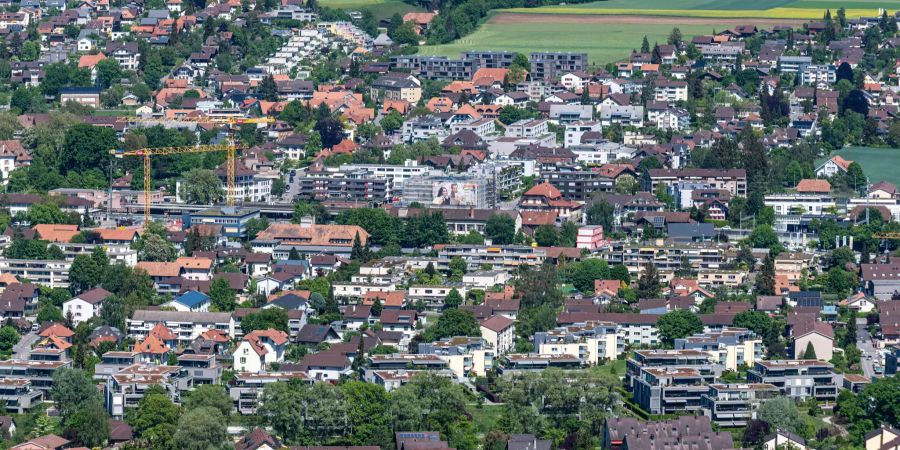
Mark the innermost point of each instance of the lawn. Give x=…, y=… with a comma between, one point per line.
x=603, y=43
x=485, y=417
x=879, y=164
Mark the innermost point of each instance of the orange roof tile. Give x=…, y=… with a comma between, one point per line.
x=194, y=262
x=89, y=61
x=56, y=232
x=159, y=269
x=57, y=329
x=163, y=333
x=152, y=345
x=814, y=186
x=544, y=189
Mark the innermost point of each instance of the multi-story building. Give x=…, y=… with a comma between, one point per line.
x=396, y=174
x=666, y=381
x=113, y=362
x=798, y=379
x=422, y=128
x=247, y=388
x=818, y=75
x=714, y=278
x=666, y=257
x=527, y=128
x=18, y=395
x=730, y=347
x=734, y=405
x=449, y=190
x=499, y=257
x=578, y=185
x=39, y=373
x=356, y=186
x=671, y=91
x=48, y=272
x=436, y=67
x=594, y=342
x=793, y=64
x=489, y=59
x=532, y=362
x=602, y=152
x=732, y=180
x=464, y=355
x=126, y=389
x=800, y=204
x=186, y=325
x=575, y=131
x=549, y=65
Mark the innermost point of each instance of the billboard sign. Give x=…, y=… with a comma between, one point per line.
x=453, y=193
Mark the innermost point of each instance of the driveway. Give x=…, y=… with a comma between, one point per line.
x=867, y=348
x=22, y=350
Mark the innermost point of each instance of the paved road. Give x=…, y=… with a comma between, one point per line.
x=866, y=347
x=22, y=350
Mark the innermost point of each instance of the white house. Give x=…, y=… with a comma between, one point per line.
x=498, y=333
x=259, y=349
x=85, y=305
x=836, y=164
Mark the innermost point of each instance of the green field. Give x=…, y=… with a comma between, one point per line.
x=602, y=42
x=737, y=9
x=382, y=9
x=879, y=164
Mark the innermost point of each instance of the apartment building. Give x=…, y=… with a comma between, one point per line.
x=551, y=65
x=247, y=388
x=527, y=128
x=498, y=257
x=38, y=373
x=490, y=59
x=732, y=180
x=126, y=388
x=578, y=185
x=734, y=405
x=671, y=91
x=18, y=395
x=186, y=325
x=464, y=356
x=713, y=278
x=798, y=379
x=730, y=347
x=593, y=342
x=666, y=381
x=601, y=152
x=799, y=204
x=532, y=362
x=355, y=186
x=666, y=257
x=49, y=273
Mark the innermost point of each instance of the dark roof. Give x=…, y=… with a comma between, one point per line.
x=311, y=333
x=256, y=439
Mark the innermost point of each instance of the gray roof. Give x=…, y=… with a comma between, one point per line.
x=181, y=316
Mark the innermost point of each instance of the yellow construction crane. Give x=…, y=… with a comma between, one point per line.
x=147, y=153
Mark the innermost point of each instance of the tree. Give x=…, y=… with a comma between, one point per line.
x=844, y=72
x=763, y=236
x=810, y=352
x=268, y=89
x=86, y=147
x=391, y=122
x=331, y=130
x=264, y=319
x=368, y=411
x=9, y=337
x=582, y=274
x=678, y=324
x=602, y=213
x=313, y=143
x=155, y=419
x=500, y=229
x=453, y=300
x=201, y=186
x=756, y=321
x=309, y=209
x=84, y=273
x=453, y=322
x=675, y=37
x=156, y=248
x=108, y=72
x=203, y=428
x=255, y=226
x=546, y=236
x=645, y=45
x=856, y=101
x=71, y=388
x=222, y=296
x=113, y=312
x=765, y=279
x=648, y=283
x=781, y=413
x=428, y=402
x=89, y=424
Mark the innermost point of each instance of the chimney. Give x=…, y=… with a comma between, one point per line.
x=307, y=221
